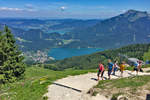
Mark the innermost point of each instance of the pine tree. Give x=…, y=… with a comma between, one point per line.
x=12, y=68
x=1, y=58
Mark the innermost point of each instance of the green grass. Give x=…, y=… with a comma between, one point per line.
x=146, y=66
x=132, y=82
x=115, y=96
x=94, y=93
x=148, y=71
x=131, y=67
x=34, y=86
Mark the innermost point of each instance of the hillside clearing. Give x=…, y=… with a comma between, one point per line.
x=35, y=83
x=60, y=91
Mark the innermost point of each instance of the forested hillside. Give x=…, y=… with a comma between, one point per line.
x=47, y=33
x=92, y=61
x=130, y=27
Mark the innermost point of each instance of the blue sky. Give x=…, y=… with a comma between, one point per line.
x=81, y=9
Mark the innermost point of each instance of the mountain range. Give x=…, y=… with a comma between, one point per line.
x=51, y=33
x=131, y=27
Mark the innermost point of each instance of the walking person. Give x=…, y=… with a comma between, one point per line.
x=110, y=68
x=100, y=71
x=115, y=67
x=122, y=67
x=140, y=66
x=136, y=67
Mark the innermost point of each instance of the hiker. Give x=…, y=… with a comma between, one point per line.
x=136, y=66
x=139, y=66
x=122, y=67
x=115, y=67
x=110, y=68
x=100, y=71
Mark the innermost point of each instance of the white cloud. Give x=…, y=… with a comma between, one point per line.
x=123, y=11
x=31, y=10
x=29, y=6
x=16, y=9
x=10, y=9
x=63, y=8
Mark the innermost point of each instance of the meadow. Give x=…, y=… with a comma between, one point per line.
x=35, y=83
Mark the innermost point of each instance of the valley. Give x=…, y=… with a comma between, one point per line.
x=73, y=33
x=74, y=50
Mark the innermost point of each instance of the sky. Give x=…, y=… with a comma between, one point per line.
x=78, y=9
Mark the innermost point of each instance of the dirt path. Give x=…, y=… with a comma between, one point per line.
x=76, y=87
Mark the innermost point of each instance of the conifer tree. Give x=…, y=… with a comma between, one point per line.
x=12, y=68
x=1, y=57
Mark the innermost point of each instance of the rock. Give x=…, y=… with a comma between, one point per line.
x=122, y=97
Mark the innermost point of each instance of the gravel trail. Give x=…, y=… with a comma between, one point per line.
x=76, y=87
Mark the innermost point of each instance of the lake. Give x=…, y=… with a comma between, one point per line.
x=60, y=31
x=61, y=53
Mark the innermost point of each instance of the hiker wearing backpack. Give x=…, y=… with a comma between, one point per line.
x=100, y=71
x=110, y=68
x=115, y=67
x=136, y=67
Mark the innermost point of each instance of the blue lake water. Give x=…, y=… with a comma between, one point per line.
x=58, y=31
x=61, y=53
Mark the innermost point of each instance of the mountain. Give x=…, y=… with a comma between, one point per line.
x=128, y=28
x=131, y=27
x=75, y=24
x=33, y=39
x=45, y=33
x=48, y=24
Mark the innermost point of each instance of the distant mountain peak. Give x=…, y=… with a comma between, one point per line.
x=132, y=11
x=133, y=15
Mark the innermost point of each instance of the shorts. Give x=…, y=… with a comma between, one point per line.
x=115, y=69
x=141, y=70
x=135, y=69
x=99, y=71
x=109, y=72
x=121, y=69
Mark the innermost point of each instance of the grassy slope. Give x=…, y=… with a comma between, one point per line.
x=131, y=87
x=34, y=86
x=132, y=82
